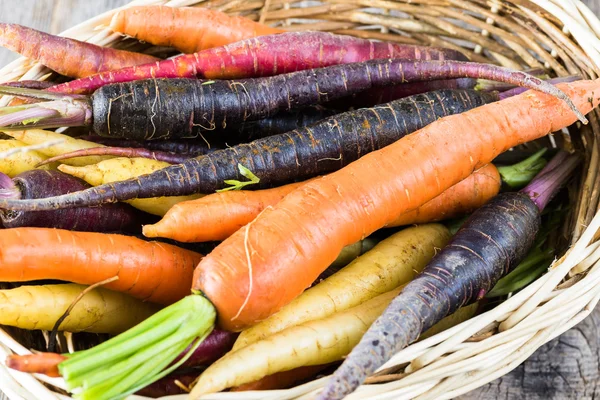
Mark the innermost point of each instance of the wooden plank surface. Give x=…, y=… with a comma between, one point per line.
x=566, y=368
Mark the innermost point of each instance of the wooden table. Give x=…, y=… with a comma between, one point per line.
x=566, y=368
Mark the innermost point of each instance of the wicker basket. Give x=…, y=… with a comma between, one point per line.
x=560, y=35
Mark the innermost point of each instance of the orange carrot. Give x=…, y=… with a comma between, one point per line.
x=42, y=363
x=67, y=56
x=284, y=379
x=219, y=215
x=188, y=29
x=216, y=216
x=462, y=198
x=152, y=271
x=248, y=278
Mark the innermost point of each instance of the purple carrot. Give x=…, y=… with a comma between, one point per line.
x=66, y=56
x=129, y=152
x=37, y=184
x=191, y=147
x=131, y=110
x=210, y=350
x=264, y=56
x=490, y=244
x=274, y=160
x=168, y=386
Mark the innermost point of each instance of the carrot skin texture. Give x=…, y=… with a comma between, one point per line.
x=460, y=199
x=188, y=29
x=37, y=184
x=190, y=147
x=347, y=205
x=264, y=56
x=132, y=110
x=67, y=56
x=150, y=271
x=217, y=216
x=318, y=149
x=42, y=363
x=98, y=311
x=489, y=245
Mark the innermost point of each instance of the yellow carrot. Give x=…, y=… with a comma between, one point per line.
x=20, y=162
x=98, y=311
x=392, y=262
x=122, y=168
x=311, y=343
x=69, y=144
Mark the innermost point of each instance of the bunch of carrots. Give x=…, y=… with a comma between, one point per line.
x=267, y=206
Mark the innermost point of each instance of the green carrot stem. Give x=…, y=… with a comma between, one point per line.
x=521, y=281
x=518, y=175
x=140, y=355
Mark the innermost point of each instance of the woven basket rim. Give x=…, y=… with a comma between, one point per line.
x=542, y=311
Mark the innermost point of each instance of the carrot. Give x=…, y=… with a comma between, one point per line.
x=119, y=169
x=131, y=110
x=217, y=216
x=66, y=56
x=38, y=183
x=42, y=363
x=191, y=147
x=150, y=271
x=131, y=152
x=275, y=160
x=312, y=343
x=264, y=56
x=98, y=311
x=19, y=162
x=68, y=144
x=391, y=263
x=188, y=29
x=310, y=226
x=489, y=245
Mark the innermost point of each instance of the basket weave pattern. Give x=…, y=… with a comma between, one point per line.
x=559, y=35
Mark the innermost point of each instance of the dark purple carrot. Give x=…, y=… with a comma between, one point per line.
x=170, y=385
x=491, y=243
x=264, y=56
x=191, y=147
x=129, y=152
x=210, y=350
x=66, y=56
x=179, y=108
x=246, y=131
x=37, y=184
x=293, y=156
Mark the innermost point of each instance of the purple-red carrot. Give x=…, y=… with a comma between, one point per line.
x=264, y=56
x=67, y=56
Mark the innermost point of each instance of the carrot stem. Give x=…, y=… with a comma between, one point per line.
x=543, y=188
x=520, y=174
x=138, y=357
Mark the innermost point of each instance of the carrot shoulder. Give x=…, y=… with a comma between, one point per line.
x=188, y=29
x=67, y=56
x=312, y=224
x=151, y=271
